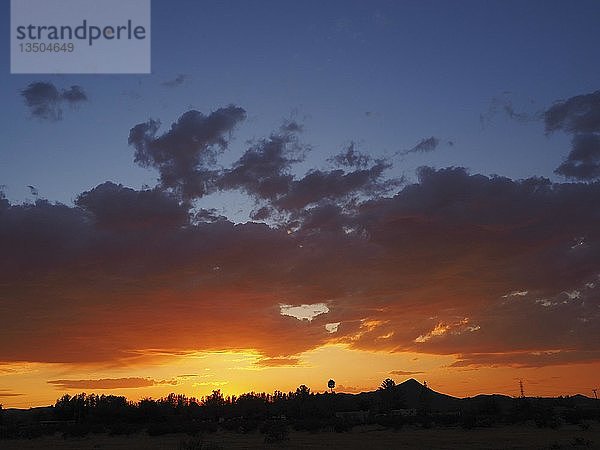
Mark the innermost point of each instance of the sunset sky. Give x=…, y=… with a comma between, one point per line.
x=309, y=190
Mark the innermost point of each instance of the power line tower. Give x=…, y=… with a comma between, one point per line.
x=521, y=389
x=595, y=391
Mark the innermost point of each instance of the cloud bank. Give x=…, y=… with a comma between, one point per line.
x=492, y=270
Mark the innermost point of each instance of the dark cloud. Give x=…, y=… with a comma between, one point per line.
x=504, y=105
x=263, y=170
x=583, y=162
x=208, y=215
x=527, y=359
x=34, y=191
x=326, y=217
x=116, y=206
x=473, y=240
x=579, y=114
x=74, y=95
x=455, y=264
x=291, y=126
x=46, y=101
x=175, y=82
x=185, y=154
x=109, y=383
x=166, y=282
x=335, y=185
x=425, y=145
x=262, y=213
x=351, y=157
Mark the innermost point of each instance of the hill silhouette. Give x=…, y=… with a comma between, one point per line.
x=390, y=406
x=413, y=395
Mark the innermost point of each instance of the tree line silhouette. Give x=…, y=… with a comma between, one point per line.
x=391, y=406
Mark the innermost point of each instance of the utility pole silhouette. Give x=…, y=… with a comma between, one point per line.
x=521, y=388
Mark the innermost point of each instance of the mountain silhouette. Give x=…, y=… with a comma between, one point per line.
x=412, y=395
x=417, y=395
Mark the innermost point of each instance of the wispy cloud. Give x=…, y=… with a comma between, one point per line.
x=404, y=372
x=423, y=146
x=45, y=101
x=110, y=383
x=179, y=80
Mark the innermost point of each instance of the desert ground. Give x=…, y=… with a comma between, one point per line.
x=372, y=437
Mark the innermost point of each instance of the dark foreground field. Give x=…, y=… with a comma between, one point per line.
x=368, y=437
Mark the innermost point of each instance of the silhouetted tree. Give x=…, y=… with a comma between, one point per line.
x=300, y=409
x=387, y=384
x=389, y=395
x=214, y=404
x=251, y=405
x=302, y=392
x=63, y=408
x=149, y=411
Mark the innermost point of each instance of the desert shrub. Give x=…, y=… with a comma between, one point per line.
x=427, y=422
x=341, y=426
x=447, y=419
x=122, y=429
x=275, y=430
x=207, y=426
x=240, y=425
x=312, y=424
x=5, y=432
x=161, y=428
x=189, y=427
x=573, y=416
x=32, y=431
x=389, y=421
x=581, y=442
x=546, y=418
x=212, y=446
x=468, y=421
x=76, y=430
x=97, y=428
x=191, y=444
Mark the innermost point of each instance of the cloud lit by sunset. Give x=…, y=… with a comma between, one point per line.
x=330, y=199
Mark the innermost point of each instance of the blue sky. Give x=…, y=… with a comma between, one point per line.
x=384, y=74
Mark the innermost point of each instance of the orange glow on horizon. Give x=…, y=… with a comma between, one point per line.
x=236, y=372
